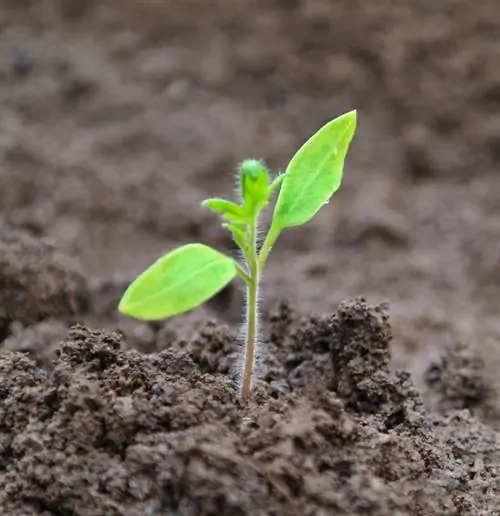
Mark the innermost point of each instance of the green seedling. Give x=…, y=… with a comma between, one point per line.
x=190, y=275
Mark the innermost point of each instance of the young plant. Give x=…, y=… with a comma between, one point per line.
x=192, y=274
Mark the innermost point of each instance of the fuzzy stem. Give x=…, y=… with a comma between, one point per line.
x=251, y=313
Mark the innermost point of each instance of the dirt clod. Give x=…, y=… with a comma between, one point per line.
x=36, y=281
x=458, y=380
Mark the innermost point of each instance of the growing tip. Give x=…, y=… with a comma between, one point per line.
x=252, y=167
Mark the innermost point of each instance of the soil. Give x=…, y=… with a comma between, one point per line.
x=376, y=390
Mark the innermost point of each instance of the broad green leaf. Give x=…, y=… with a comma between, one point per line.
x=315, y=172
x=229, y=210
x=179, y=281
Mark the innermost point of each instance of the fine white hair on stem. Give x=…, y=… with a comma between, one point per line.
x=243, y=339
x=260, y=350
x=237, y=368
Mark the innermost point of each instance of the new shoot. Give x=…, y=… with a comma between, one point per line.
x=190, y=275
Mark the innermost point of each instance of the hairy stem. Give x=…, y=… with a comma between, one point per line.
x=252, y=313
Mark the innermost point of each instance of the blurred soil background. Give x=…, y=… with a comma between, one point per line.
x=117, y=118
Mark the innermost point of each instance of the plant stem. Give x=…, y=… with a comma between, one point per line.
x=243, y=274
x=252, y=313
x=270, y=240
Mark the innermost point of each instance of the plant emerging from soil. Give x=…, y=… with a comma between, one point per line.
x=190, y=275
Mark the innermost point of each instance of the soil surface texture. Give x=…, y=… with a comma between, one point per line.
x=377, y=380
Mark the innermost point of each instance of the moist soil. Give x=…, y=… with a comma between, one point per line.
x=376, y=390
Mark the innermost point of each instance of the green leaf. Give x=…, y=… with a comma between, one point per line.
x=315, y=173
x=239, y=234
x=179, y=281
x=227, y=209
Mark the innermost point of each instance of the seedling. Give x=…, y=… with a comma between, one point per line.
x=190, y=275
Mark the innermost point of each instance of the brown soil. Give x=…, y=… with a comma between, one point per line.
x=117, y=119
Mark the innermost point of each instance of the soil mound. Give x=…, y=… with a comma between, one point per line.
x=109, y=431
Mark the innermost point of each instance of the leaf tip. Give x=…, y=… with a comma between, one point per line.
x=353, y=115
x=128, y=305
x=123, y=305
